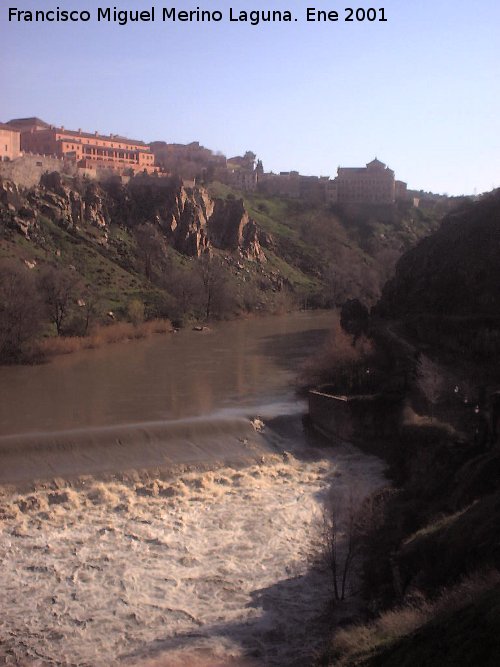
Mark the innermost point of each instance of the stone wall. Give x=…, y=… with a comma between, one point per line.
x=27, y=170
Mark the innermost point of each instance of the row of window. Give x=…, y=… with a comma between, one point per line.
x=103, y=143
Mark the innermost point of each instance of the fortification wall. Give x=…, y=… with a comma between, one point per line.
x=27, y=170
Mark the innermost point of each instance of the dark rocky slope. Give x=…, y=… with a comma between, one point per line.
x=453, y=272
x=438, y=525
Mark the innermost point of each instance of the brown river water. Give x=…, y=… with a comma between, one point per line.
x=149, y=514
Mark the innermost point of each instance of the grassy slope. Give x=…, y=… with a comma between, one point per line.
x=97, y=265
x=463, y=638
x=309, y=242
x=271, y=213
x=312, y=241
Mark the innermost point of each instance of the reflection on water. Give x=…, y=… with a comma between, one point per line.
x=167, y=377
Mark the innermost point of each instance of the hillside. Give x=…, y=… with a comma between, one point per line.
x=446, y=290
x=455, y=271
x=432, y=549
x=193, y=252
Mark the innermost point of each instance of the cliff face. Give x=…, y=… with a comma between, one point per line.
x=189, y=219
x=453, y=272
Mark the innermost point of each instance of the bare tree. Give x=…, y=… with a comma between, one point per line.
x=216, y=286
x=185, y=285
x=150, y=246
x=90, y=306
x=58, y=288
x=342, y=537
x=135, y=311
x=20, y=310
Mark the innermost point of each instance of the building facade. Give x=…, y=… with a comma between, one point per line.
x=187, y=160
x=373, y=184
x=89, y=151
x=10, y=143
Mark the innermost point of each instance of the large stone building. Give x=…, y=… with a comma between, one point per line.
x=187, y=160
x=10, y=143
x=373, y=184
x=294, y=185
x=89, y=151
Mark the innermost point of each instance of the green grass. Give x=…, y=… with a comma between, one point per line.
x=294, y=275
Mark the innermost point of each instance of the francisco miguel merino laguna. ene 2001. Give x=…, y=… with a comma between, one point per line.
x=123, y=17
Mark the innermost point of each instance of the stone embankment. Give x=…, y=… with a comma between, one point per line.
x=356, y=418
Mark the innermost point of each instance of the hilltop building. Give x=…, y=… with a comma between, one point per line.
x=373, y=184
x=89, y=151
x=242, y=173
x=10, y=143
x=187, y=160
x=29, y=124
x=41, y=146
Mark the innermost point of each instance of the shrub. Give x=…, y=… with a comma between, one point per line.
x=343, y=362
x=135, y=311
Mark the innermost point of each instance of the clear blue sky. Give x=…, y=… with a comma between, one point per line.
x=420, y=91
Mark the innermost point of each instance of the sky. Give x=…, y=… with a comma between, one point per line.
x=419, y=91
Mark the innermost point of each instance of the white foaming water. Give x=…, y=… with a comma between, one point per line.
x=163, y=572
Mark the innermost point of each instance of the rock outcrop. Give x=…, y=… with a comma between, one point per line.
x=231, y=227
x=189, y=219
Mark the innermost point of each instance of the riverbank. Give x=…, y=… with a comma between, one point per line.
x=116, y=332
x=102, y=335
x=432, y=555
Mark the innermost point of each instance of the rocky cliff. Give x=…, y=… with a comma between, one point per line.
x=188, y=218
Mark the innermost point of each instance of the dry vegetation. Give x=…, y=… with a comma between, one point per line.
x=340, y=362
x=102, y=335
x=360, y=641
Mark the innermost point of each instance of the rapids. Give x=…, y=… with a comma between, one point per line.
x=188, y=537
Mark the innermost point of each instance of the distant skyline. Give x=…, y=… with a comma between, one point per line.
x=419, y=91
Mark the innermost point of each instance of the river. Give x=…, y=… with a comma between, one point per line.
x=161, y=504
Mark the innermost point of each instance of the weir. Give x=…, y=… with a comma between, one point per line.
x=155, y=444
x=188, y=537
x=183, y=399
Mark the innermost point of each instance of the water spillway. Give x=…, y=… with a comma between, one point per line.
x=117, y=449
x=148, y=518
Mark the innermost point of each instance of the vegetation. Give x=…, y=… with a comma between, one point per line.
x=446, y=290
x=130, y=250
x=431, y=552
x=459, y=628
x=20, y=311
